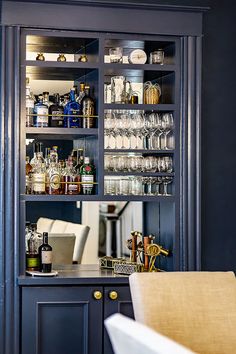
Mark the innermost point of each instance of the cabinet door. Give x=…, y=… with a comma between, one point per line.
x=121, y=304
x=59, y=320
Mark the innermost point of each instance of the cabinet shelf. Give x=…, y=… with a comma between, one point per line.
x=59, y=133
x=138, y=151
x=141, y=107
x=53, y=70
x=144, y=174
x=166, y=68
x=58, y=198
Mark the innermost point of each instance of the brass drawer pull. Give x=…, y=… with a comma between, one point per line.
x=113, y=295
x=97, y=295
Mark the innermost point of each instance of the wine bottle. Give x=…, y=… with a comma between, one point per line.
x=45, y=255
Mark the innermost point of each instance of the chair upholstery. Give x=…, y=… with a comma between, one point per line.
x=59, y=226
x=196, y=309
x=81, y=233
x=130, y=337
x=44, y=225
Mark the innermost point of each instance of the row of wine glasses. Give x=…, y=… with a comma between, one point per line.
x=135, y=185
x=138, y=163
x=130, y=128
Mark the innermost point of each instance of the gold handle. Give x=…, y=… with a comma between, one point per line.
x=113, y=295
x=97, y=295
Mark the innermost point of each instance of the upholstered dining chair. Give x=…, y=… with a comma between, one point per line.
x=195, y=309
x=131, y=337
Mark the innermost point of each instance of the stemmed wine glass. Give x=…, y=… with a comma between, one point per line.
x=167, y=125
x=138, y=125
x=166, y=180
x=108, y=127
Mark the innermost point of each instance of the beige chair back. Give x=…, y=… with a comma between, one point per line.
x=196, y=309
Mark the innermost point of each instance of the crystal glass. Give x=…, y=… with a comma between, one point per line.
x=168, y=126
x=116, y=55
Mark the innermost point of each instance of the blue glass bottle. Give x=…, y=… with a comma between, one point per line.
x=72, y=110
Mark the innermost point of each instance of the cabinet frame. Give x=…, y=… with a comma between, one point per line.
x=185, y=22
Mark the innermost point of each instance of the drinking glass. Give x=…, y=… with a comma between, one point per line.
x=150, y=164
x=108, y=128
x=116, y=55
x=124, y=186
x=110, y=186
x=167, y=125
x=136, y=186
x=166, y=180
x=157, y=182
x=138, y=123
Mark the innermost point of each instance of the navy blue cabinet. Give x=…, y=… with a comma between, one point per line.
x=61, y=319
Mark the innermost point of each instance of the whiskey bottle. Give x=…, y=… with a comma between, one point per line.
x=38, y=155
x=56, y=111
x=70, y=179
x=72, y=111
x=45, y=255
x=87, y=172
x=81, y=92
x=41, y=113
x=87, y=105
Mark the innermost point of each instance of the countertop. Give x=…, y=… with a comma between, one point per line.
x=82, y=274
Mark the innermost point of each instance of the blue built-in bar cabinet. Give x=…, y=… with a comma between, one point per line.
x=65, y=314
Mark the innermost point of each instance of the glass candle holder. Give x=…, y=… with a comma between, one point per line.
x=157, y=57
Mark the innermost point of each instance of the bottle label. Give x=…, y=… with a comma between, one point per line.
x=39, y=182
x=87, y=178
x=32, y=262
x=43, y=117
x=54, y=181
x=29, y=103
x=46, y=257
x=57, y=115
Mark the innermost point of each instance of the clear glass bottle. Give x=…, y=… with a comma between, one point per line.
x=70, y=179
x=72, y=110
x=87, y=174
x=53, y=178
x=41, y=113
x=39, y=178
x=45, y=255
x=38, y=155
x=56, y=112
x=81, y=92
x=32, y=255
x=88, y=109
x=46, y=100
x=29, y=106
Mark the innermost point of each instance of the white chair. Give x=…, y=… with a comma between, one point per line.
x=44, y=225
x=81, y=232
x=130, y=337
x=196, y=309
x=59, y=227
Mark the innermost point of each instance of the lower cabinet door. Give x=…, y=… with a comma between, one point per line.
x=61, y=320
x=116, y=299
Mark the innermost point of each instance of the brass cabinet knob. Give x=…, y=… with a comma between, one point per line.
x=113, y=295
x=97, y=295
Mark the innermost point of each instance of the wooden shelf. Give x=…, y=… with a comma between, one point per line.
x=143, y=174
x=58, y=198
x=138, y=151
x=143, y=107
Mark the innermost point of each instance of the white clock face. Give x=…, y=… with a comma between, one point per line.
x=138, y=56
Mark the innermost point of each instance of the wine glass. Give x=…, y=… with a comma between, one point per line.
x=166, y=180
x=167, y=125
x=108, y=127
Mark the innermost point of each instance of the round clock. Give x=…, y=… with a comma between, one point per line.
x=137, y=56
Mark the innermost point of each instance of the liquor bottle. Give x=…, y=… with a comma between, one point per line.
x=45, y=255
x=29, y=106
x=87, y=107
x=65, y=100
x=81, y=93
x=53, y=178
x=32, y=255
x=54, y=154
x=70, y=179
x=38, y=155
x=87, y=172
x=39, y=179
x=47, y=157
x=28, y=176
x=41, y=113
x=72, y=110
x=46, y=99
x=56, y=112
x=80, y=160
